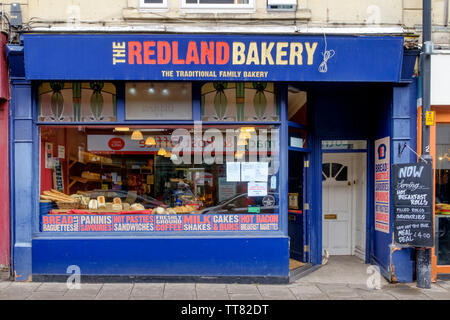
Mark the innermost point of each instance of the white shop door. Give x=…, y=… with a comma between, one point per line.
x=337, y=204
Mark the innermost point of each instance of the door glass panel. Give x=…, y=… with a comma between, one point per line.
x=343, y=174
x=335, y=167
x=326, y=170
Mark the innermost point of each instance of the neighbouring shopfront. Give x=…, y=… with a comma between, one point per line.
x=204, y=155
x=5, y=243
x=440, y=151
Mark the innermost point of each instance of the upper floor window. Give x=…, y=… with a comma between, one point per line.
x=153, y=4
x=218, y=4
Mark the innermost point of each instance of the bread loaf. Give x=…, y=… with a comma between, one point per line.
x=101, y=203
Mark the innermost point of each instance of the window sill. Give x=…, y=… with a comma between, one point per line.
x=206, y=14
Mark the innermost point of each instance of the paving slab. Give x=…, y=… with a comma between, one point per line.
x=212, y=294
x=276, y=292
x=16, y=295
x=4, y=284
x=242, y=289
x=342, y=270
x=52, y=287
x=180, y=291
x=245, y=296
x=30, y=286
x=45, y=295
x=89, y=291
x=338, y=291
x=148, y=289
x=113, y=291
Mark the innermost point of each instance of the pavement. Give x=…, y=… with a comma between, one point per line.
x=342, y=278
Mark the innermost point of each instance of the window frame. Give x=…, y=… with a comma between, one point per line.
x=228, y=8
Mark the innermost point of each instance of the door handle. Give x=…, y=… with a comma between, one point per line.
x=330, y=216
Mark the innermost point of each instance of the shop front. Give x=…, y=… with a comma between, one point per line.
x=440, y=151
x=205, y=157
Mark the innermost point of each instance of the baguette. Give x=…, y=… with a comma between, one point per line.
x=59, y=197
x=60, y=193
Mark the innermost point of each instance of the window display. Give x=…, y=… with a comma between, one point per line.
x=177, y=178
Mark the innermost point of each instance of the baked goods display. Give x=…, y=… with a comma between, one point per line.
x=78, y=201
x=176, y=210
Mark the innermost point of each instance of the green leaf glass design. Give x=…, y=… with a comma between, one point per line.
x=260, y=100
x=97, y=100
x=220, y=100
x=57, y=101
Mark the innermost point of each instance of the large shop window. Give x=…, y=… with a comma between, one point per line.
x=150, y=179
x=442, y=192
x=77, y=102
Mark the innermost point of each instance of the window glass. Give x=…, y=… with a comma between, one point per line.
x=153, y=4
x=239, y=101
x=158, y=101
x=344, y=144
x=77, y=102
x=297, y=106
x=212, y=3
x=189, y=172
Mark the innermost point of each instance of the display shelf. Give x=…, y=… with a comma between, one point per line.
x=81, y=180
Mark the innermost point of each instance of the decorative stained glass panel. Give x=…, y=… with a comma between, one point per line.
x=93, y=101
x=239, y=101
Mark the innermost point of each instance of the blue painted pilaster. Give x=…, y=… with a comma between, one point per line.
x=23, y=204
x=404, y=130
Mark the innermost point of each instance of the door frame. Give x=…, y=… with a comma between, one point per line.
x=318, y=189
x=354, y=194
x=305, y=196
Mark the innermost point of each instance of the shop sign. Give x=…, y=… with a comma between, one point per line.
x=413, y=204
x=158, y=223
x=212, y=57
x=382, y=185
x=429, y=118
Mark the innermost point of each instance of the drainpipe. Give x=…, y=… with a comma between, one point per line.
x=423, y=255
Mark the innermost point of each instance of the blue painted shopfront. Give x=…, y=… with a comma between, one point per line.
x=365, y=91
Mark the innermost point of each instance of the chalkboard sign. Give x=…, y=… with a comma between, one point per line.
x=413, y=201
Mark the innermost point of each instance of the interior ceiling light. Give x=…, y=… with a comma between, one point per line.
x=133, y=90
x=122, y=129
x=168, y=154
x=244, y=135
x=165, y=91
x=238, y=154
x=161, y=152
x=151, y=89
x=137, y=135
x=242, y=142
x=150, y=141
x=248, y=129
x=173, y=157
